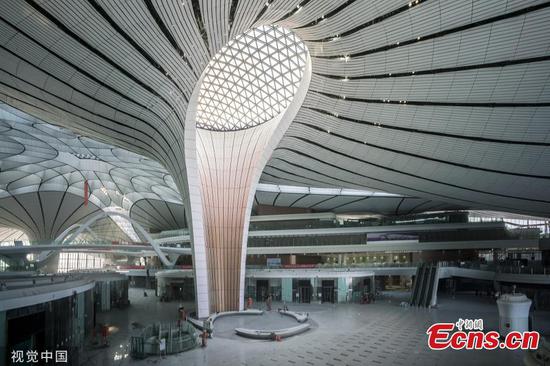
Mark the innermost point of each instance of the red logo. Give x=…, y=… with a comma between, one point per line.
x=442, y=336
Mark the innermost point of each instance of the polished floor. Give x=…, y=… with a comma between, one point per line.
x=345, y=334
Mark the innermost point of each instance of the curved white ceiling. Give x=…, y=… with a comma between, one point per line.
x=8, y=235
x=42, y=174
x=43, y=169
x=444, y=100
x=40, y=157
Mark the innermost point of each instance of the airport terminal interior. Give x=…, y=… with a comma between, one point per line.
x=274, y=182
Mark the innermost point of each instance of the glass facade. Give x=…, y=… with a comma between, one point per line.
x=77, y=261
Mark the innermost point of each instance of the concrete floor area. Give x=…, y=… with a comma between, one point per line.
x=345, y=334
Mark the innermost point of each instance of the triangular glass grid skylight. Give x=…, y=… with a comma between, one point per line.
x=251, y=80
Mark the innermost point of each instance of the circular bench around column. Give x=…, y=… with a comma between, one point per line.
x=271, y=334
x=200, y=324
x=300, y=317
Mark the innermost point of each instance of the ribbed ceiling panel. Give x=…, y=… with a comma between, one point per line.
x=445, y=101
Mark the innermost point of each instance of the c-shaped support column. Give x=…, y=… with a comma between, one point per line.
x=86, y=225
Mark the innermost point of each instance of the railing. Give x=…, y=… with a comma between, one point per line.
x=133, y=266
x=538, y=268
x=24, y=282
x=334, y=266
x=297, y=241
x=13, y=268
x=545, y=270
x=78, y=242
x=470, y=265
x=324, y=224
x=170, y=233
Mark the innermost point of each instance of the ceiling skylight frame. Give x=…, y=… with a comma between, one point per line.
x=251, y=80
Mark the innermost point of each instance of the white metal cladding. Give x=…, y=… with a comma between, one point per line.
x=223, y=180
x=43, y=170
x=251, y=80
x=447, y=101
x=39, y=157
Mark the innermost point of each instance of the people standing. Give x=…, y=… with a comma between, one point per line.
x=268, y=303
x=105, y=334
x=182, y=315
x=204, y=336
x=162, y=348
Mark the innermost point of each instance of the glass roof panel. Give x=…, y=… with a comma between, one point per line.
x=251, y=80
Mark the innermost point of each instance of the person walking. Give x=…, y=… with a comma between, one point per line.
x=268, y=303
x=105, y=334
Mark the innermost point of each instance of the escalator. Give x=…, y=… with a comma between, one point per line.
x=424, y=291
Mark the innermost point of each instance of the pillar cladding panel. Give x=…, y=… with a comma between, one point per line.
x=225, y=158
x=228, y=166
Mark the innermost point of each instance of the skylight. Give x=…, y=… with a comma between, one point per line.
x=123, y=223
x=251, y=80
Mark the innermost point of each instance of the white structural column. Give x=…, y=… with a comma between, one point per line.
x=223, y=170
x=228, y=163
